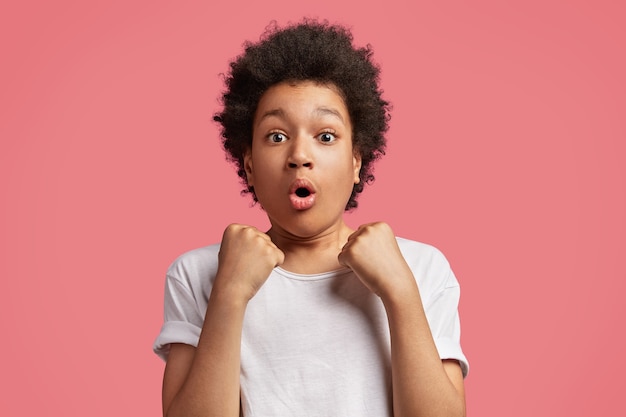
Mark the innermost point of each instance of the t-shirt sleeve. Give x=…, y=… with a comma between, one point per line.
x=183, y=320
x=443, y=317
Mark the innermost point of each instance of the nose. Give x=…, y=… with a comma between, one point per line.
x=300, y=153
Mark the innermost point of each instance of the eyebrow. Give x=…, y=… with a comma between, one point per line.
x=275, y=112
x=324, y=111
x=320, y=111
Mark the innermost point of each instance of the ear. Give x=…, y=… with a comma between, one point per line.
x=247, y=166
x=356, y=163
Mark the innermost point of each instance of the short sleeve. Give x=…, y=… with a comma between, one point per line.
x=188, y=284
x=443, y=318
x=440, y=292
x=183, y=320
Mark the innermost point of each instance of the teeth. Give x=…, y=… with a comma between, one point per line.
x=302, y=192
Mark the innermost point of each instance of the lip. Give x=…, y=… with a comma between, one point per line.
x=302, y=202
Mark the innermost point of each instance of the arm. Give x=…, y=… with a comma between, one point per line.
x=423, y=384
x=204, y=381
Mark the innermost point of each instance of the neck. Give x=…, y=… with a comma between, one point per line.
x=311, y=255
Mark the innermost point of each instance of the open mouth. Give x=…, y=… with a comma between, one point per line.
x=303, y=192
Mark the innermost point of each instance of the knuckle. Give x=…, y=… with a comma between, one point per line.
x=232, y=228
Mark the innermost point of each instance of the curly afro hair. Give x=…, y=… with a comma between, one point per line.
x=310, y=51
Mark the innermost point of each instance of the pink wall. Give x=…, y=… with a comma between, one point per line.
x=507, y=151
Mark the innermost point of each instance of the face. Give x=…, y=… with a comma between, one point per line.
x=302, y=164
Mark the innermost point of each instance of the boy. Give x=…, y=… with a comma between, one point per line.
x=311, y=318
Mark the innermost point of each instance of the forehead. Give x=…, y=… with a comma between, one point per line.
x=302, y=98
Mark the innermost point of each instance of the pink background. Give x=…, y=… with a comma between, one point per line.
x=507, y=151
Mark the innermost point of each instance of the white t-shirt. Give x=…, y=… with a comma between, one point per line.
x=314, y=345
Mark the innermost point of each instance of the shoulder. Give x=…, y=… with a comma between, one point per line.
x=195, y=265
x=422, y=255
x=429, y=265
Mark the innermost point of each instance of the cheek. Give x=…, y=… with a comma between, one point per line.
x=264, y=172
x=347, y=175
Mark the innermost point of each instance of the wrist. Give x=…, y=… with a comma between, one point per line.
x=400, y=297
x=227, y=292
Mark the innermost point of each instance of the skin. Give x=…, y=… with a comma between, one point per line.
x=303, y=131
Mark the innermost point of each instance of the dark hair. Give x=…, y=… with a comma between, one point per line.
x=313, y=51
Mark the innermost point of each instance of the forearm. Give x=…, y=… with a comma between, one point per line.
x=421, y=386
x=212, y=385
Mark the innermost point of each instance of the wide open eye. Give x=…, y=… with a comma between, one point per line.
x=277, y=137
x=326, y=137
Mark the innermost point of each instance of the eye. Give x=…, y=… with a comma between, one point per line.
x=277, y=137
x=326, y=137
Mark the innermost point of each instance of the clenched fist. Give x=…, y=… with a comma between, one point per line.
x=373, y=254
x=246, y=259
